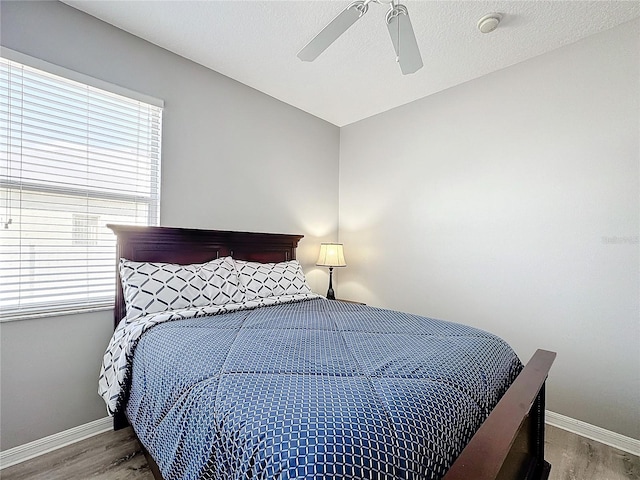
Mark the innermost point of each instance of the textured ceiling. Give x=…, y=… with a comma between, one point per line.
x=255, y=42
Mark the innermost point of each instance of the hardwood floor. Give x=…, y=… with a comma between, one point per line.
x=573, y=457
x=108, y=456
x=117, y=456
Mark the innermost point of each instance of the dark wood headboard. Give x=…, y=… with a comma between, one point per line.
x=186, y=245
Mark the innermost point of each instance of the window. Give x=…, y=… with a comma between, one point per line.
x=73, y=158
x=85, y=229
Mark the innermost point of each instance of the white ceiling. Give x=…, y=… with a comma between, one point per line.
x=256, y=42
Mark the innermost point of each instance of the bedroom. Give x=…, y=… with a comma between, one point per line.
x=518, y=227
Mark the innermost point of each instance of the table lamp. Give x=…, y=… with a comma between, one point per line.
x=331, y=255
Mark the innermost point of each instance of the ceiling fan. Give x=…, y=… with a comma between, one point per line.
x=398, y=23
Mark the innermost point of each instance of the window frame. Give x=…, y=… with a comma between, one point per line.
x=61, y=307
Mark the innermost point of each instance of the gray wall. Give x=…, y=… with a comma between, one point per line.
x=511, y=203
x=233, y=158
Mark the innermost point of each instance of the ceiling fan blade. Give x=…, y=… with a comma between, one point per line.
x=333, y=30
x=404, y=40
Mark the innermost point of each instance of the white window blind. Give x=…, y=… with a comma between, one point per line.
x=73, y=158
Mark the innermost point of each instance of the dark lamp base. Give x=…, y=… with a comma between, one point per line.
x=330, y=293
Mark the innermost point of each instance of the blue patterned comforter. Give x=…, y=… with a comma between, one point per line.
x=314, y=389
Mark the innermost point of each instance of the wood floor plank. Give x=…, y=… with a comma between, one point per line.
x=573, y=457
x=117, y=456
x=108, y=456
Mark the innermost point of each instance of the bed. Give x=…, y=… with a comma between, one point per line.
x=287, y=385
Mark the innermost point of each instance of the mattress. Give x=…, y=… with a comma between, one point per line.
x=313, y=389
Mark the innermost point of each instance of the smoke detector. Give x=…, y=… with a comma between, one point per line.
x=489, y=22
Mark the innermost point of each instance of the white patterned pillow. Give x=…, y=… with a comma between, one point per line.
x=158, y=287
x=262, y=280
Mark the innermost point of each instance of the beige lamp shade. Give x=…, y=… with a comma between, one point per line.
x=331, y=255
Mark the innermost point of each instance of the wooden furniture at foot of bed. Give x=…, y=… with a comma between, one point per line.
x=509, y=445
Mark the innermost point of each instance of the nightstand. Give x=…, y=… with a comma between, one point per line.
x=349, y=301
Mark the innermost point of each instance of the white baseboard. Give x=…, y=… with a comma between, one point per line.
x=628, y=444
x=53, y=442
